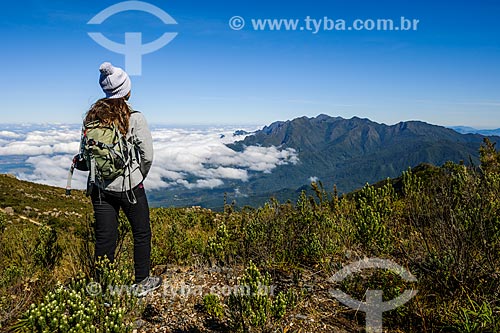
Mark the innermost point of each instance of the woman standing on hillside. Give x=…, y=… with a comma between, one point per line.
x=126, y=190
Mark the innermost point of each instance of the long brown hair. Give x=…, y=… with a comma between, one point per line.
x=108, y=111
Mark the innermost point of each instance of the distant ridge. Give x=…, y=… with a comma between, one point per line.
x=471, y=130
x=347, y=153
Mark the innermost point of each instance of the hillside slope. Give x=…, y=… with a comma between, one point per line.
x=39, y=203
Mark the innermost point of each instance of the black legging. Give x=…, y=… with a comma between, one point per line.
x=107, y=206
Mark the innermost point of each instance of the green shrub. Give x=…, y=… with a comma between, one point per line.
x=374, y=209
x=453, y=229
x=251, y=307
x=217, y=245
x=3, y=222
x=476, y=317
x=285, y=235
x=10, y=274
x=84, y=306
x=179, y=235
x=48, y=252
x=213, y=306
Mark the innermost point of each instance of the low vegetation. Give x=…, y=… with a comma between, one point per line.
x=442, y=224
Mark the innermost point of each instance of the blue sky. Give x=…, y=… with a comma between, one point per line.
x=447, y=72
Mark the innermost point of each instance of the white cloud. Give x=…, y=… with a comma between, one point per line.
x=205, y=183
x=9, y=135
x=53, y=170
x=193, y=158
x=238, y=194
x=313, y=179
x=38, y=142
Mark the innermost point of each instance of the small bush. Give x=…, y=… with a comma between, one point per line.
x=10, y=274
x=179, y=235
x=374, y=207
x=84, y=306
x=217, y=245
x=252, y=308
x=3, y=222
x=48, y=252
x=213, y=306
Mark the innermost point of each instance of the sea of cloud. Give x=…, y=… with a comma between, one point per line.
x=195, y=157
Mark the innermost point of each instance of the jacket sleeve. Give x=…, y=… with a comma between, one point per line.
x=144, y=143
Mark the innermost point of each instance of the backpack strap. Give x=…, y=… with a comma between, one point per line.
x=70, y=177
x=92, y=171
x=75, y=163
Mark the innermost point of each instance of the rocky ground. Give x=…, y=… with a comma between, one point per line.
x=178, y=305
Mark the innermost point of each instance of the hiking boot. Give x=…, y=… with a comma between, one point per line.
x=147, y=285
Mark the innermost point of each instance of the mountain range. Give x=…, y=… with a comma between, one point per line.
x=347, y=153
x=472, y=130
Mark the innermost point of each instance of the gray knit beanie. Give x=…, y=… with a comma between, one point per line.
x=114, y=81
